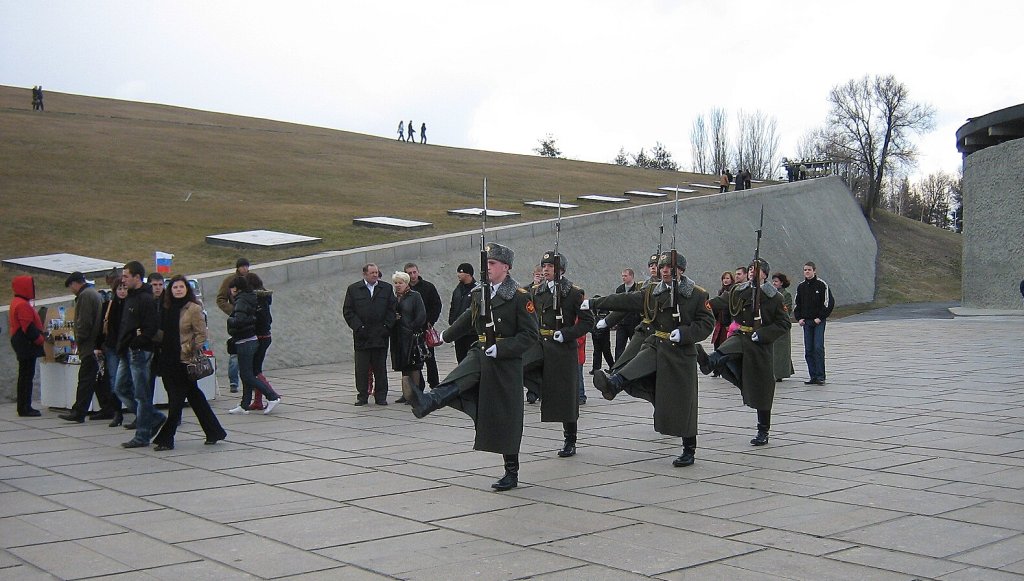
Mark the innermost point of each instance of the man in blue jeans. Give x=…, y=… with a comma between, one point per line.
x=135, y=342
x=813, y=305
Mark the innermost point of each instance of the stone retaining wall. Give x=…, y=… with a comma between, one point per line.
x=814, y=220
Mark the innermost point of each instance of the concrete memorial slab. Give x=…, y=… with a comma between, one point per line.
x=641, y=194
x=391, y=223
x=552, y=205
x=491, y=213
x=675, y=189
x=62, y=264
x=603, y=199
x=708, y=186
x=261, y=239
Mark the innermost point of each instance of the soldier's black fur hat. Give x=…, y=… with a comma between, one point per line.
x=500, y=253
x=549, y=258
x=666, y=260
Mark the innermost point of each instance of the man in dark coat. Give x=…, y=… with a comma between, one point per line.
x=814, y=304
x=88, y=328
x=664, y=372
x=461, y=301
x=432, y=301
x=488, y=384
x=627, y=326
x=746, y=358
x=551, y=367
x=643, y=329
x=369, y=310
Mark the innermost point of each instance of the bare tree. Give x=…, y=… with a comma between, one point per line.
x=622, y=158
x=758, y=144
x=547, y=147
x=871, y=122
x=699, y=147
x=936, y=193
x=719, y=121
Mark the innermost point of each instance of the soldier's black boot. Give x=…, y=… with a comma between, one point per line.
x=569, y=431
x=609, y=385
x=764, y=421
x=703, y=361
x=424, y=403
x=511, y=478
x=689, y=451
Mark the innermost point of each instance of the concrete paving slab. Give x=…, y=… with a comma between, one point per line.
x=896, y=469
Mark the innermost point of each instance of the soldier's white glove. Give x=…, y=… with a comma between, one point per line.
x=558, y=336
x=675, y=336
x=602, y=324
x=754, y=337
x=585, y=305
x=492, y=351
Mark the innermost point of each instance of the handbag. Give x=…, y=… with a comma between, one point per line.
x=433, y=337
x=199, y=366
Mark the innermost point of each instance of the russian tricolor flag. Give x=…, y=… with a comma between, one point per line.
x=163, y=262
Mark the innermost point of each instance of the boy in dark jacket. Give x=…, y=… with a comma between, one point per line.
x=135, y=342
x=813, y=305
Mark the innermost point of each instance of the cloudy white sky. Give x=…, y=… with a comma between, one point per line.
x=598, y=75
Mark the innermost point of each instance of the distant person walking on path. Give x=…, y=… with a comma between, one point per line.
x=412, y=133
x=401, y=130
x=723, y=182
x=423, y=133
x=814, y=303
x=37, y=98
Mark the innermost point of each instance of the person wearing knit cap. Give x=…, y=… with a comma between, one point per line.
x=461, y=300
x=746, y=358
x=488, y=384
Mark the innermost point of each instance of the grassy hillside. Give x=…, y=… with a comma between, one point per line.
x=109, y=179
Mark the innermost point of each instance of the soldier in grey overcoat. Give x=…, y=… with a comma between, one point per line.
x=664, y=372
x=551, y=367
x=488, y=384
x=746, y=358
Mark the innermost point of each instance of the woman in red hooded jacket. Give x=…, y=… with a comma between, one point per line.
x=27, y=337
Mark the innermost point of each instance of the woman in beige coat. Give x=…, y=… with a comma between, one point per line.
x=184, y=331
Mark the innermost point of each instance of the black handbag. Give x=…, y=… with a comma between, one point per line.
x=199, y=366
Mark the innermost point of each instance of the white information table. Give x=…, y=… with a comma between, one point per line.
x=58, y=384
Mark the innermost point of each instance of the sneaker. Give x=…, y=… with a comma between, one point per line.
x=271, y=404
x=238, y=410
x=234, y=388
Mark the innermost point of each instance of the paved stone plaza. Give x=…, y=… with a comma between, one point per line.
x=908, y=464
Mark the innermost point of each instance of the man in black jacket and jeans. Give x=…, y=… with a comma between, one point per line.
x=812, y=306
x=369, y=310
x=461, y=300
x=135, y=341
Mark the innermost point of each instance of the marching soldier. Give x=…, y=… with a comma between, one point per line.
x=664, y=372
x=745, y=358
x=551, y=367
x=643, y=330
x=488, y=384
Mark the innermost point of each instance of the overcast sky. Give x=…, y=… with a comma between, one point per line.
x=598, y=75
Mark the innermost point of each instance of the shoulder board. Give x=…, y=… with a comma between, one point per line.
x=699, y=288
x=577, y=288
x=522, y=290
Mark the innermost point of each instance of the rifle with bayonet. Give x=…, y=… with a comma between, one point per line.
x=556, y=300
x=675, y=262
x=485, y=290
x=756, y=282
